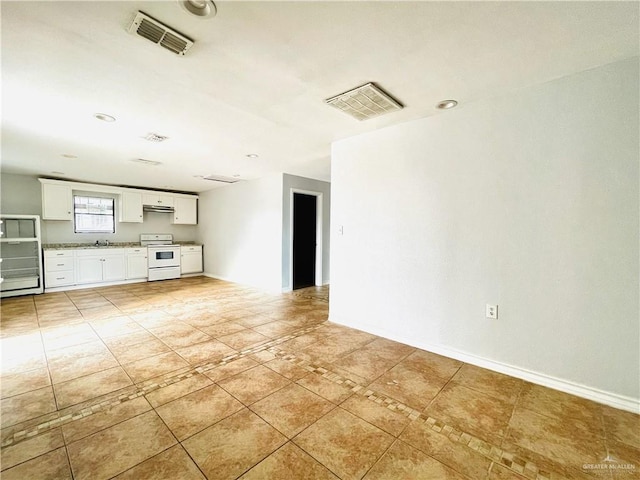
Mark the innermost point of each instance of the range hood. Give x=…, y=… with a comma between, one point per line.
x=157, y=208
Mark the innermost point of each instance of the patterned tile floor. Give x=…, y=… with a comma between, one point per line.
x=198, y=378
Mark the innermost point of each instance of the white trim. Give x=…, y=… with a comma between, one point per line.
x=319, y=231
x=63, y=288
x=615, y=400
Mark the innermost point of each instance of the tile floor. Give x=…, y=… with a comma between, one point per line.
x=198, y=378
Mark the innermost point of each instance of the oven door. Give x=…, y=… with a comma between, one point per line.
x=164, y=256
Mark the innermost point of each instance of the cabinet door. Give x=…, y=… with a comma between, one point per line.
x=131, y=207
x=157, y=199
x=191, y=262
x=137, y=266
x=113, y=268
x=56, y=202
x=185, y=211
x=89, y=269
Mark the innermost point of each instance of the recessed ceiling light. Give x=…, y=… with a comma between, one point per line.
x=200, y=8
x=69, y=155
x=104, y=117
x=252, y=155
x=446, y=104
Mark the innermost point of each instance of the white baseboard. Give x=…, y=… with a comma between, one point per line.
x=92, y=285
x=600, y=396
x=257, y=287
x=217, y=277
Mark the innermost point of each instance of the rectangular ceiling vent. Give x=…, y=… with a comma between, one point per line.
x=160, y=34
x=364, y=102
x=220, y=178
x=151, y=163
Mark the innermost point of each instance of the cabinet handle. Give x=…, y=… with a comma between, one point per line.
x=59, y=278
x=59, y=264
x=59, y=254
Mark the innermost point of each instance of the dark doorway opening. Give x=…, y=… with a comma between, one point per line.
x=304, y=240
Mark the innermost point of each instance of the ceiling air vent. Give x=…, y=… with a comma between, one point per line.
x=364, y=102
x=220, y=178
x=151, y=163
x=158, y=33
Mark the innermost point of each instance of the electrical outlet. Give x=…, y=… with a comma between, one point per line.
x=492, y=311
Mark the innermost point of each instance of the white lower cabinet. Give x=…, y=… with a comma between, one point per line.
x=136, y=263
x=190, y=259
x=94, y=266
x=59, y=268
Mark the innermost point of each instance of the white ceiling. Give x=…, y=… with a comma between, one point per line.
x=256, y=78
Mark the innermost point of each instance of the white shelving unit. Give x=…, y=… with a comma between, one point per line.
x=20, y=255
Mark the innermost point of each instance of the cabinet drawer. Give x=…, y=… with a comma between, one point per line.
x=58, y=264
x=191, y=248
x=58, y=253
x=57, y=279
x=136, y=251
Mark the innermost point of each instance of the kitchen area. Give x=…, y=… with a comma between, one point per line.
x=91, y=235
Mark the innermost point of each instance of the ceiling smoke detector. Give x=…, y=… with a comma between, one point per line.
x=160, y=34
x=364, y=102
x=220, y=178
x=151, y=163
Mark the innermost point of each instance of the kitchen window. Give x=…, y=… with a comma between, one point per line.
x=93, y=214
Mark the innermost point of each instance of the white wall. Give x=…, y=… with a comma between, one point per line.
x=301, y=183
x=241, y=229
x=22, y=194
x=529, y=201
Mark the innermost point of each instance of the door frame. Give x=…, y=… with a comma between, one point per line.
x=319, y=232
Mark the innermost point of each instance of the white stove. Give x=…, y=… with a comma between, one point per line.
x=163, y=255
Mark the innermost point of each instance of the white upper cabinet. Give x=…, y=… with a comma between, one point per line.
x=185, y=211
x=158, y=199
x=131, y=207
x=56, y=202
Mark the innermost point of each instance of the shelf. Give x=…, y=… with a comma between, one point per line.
x=8, y=270
x=18, y=240
x=14, y=283
x=28, y=257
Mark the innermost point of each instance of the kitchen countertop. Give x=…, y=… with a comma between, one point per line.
x=76, y=246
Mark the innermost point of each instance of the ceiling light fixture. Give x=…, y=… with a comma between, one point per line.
x=446, y=104
x=251, y=155
x=104, y=117
x=199, y=8
x=221, y=179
